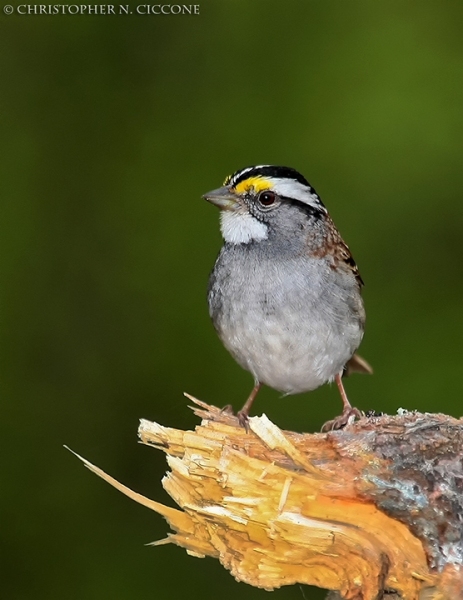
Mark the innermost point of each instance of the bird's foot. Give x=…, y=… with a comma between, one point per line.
x=347, y=416
x=243, y=419
x=241, y=415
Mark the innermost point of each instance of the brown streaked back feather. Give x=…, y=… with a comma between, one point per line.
x=334, y=246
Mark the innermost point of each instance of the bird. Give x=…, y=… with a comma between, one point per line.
x=284, y=294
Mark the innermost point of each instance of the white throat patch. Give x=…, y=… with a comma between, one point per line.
x=241, y=228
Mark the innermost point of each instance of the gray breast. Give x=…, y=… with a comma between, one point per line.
x=291, y=321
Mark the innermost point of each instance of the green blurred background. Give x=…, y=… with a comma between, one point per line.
x=112, y=127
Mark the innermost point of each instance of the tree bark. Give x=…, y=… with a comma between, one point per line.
x=373, y=510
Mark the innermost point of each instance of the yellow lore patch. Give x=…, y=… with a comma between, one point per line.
x=257, y=184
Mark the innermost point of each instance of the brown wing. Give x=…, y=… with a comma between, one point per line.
x=330, y=243
x=343, y=254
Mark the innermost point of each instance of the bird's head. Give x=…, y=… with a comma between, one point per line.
x=260, y=201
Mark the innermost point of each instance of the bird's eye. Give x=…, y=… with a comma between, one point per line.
x=267, y=198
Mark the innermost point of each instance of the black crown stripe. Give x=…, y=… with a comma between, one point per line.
x=266, y=171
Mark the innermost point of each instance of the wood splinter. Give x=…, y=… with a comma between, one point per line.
x=373, y=509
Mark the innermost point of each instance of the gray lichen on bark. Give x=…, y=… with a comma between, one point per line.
x=423, y=484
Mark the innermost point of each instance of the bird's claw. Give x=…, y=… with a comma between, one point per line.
x=347, y=415
x=243, y=419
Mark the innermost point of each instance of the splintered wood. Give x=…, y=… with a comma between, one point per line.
x=278, y=508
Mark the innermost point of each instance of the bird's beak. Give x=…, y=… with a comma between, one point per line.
x=223, y=198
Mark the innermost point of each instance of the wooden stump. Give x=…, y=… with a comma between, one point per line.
x=373, y=509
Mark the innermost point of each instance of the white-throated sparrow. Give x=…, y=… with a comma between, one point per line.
x=284, y=294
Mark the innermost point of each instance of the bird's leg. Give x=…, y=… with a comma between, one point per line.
x=348, y=410
x=243, y=414
x=346, y=405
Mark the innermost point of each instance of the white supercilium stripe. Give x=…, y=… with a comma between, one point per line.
x=290, y=188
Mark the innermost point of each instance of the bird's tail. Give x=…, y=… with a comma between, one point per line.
x=357, y=364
